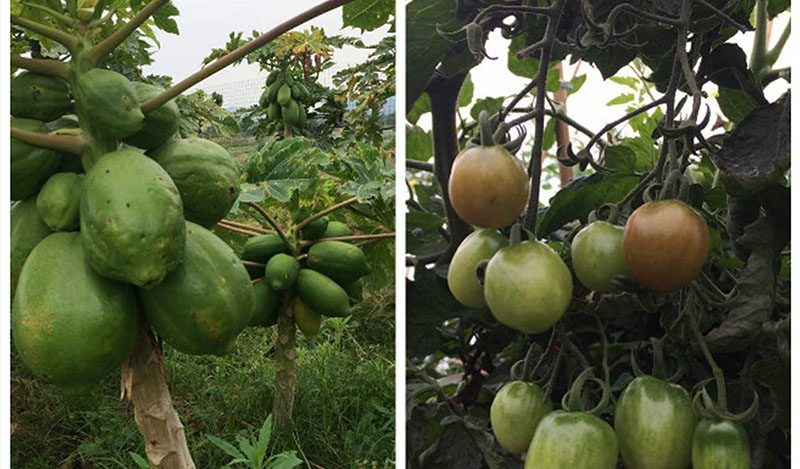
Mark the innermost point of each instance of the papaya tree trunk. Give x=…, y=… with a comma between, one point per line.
x=285, y=365
x=145, y=381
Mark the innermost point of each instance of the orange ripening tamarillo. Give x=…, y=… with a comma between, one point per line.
x=665, y=244
x=488, y=187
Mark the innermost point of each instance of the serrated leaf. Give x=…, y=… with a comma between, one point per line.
x=421, y=107
x=577, y=83
x=620, y=158
x=549, y=137
x=621, y=99
x=630, y=82
x=466, y=92
x=581, y=196
x=735, y=104
x=419, y=144
x=490, y=105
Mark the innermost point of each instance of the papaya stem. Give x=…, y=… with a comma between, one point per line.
x=50, y=67
x=253, y=264
x=73, y=145
x=236, y=229
x=145, y=383
x=321, y=214
x=60, y=17
x=272, y=222
x=101, y=50
x=66, y=39
x=257, y=229
x=285, y=364
x=376, y=236
x=240, y=53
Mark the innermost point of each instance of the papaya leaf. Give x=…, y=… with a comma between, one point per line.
x=367, y=15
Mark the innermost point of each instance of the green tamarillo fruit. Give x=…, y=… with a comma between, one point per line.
x=110, y=102
x=203, y=305
x=59, y=201
x=315, y=229
x=343, y=262
x=131, y=217
x=284, y=95
x=30, y=165
x=291, y=113
x=336, y=229
x=281, y=272
x=206, y=175
x=307, y=320
x=322, y=294
x=265, y=305
x=39, y=97
x=27, y=229
x=159, y=124
x=71, y=326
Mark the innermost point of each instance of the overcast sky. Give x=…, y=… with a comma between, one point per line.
x=206, y=24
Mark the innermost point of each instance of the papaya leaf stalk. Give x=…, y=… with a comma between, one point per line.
x=101, y=50
x=73, y=145
x=64, y=38
x=54, y=68
x=322, y=213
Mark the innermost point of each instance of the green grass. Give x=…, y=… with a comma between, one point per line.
x=343, y=412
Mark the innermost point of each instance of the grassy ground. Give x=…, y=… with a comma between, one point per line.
x=343, y=414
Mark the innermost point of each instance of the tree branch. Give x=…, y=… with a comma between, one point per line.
x=99, y=51
x=50, y=67
x=420, y=165
x=322, y=213
x=239, y=53
x=64, y=38
x=62, y=143
x=535, y=165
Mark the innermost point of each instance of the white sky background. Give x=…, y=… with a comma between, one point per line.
x=588, y=105
x=206, y=24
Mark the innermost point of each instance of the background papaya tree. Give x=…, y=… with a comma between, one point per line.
x=727, y=332
x=70, y=40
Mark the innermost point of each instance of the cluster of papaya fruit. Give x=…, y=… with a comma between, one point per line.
x=325, y=278
x=285, y=99
x=102, y=240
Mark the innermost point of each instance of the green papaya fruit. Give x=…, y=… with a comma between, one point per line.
x=70, y=325
x=27, y=229
x=322, y=294
x=205, y=174
x=281, y=272
x=30, y=165
x=262, y=248
x=272, y=91
x=203, y=305
x=59, y=201
x=67, y=125
x=265, y=305
x=110, y=102
x=303, y=118
x=272, y=77
x=291, y=113
x=300, y=92
x=306, y=319
x=343, y=262
x=336, y=229
x=159, y=124
x=263, y=101
x=315, y=229
x=39, y=97
x=355, y=290
x=132, y=224
x=274, y=111
x=284, y=95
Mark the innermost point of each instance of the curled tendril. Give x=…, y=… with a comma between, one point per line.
x=606, y=212
x=705, y=406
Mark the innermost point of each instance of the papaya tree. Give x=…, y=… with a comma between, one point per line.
x=111, y=248
x=654, y=282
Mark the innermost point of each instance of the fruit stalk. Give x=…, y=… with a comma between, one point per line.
x=321, y=214
x=285, y=365
x=158, y=421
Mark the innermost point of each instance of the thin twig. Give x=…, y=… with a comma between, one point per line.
x=237, y=230
x=247, y=227
x=322, y=213
x=63, y=143
x=420, y=165
x=253, y=264
x=535, y=165
x=376, y=236
x=50, y=67
x=62, y=37
x=272, y=223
